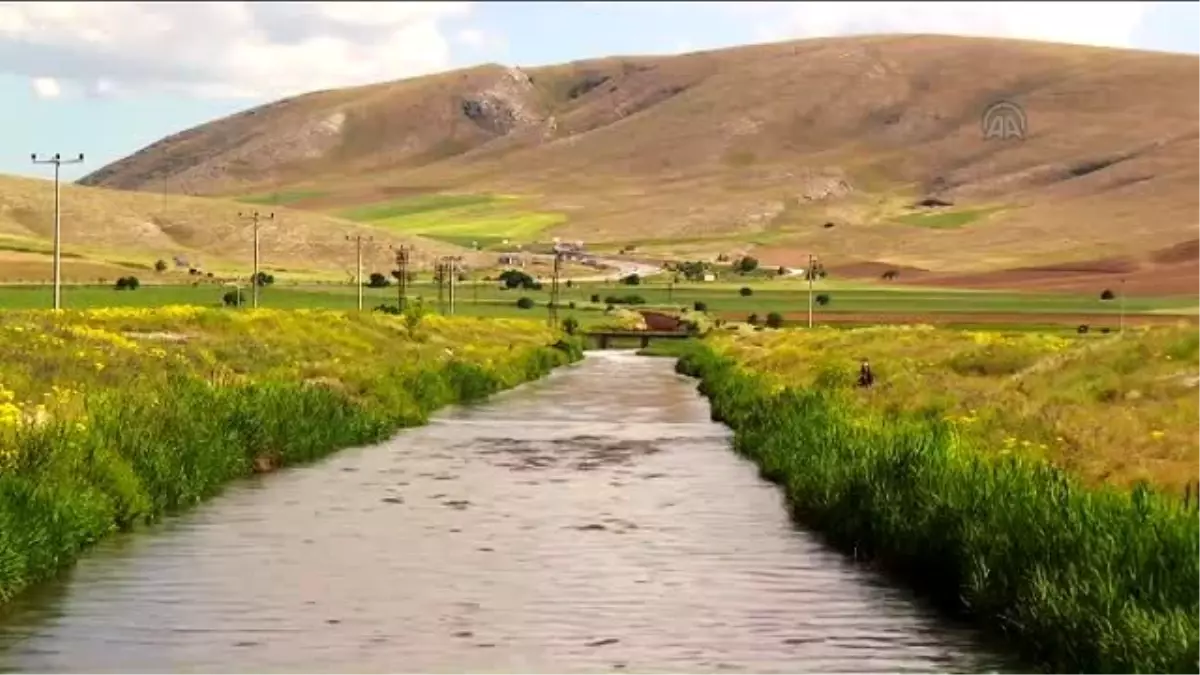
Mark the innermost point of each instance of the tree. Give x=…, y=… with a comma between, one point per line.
x=746, y=264
x=595, y=298
x=745, y=291
x=160, y=266
x=632, y=280
x=1107, y=295
x=890, y=274
x=570, y=325
x=378, y=280
x=781, y=271
x=232, y=298
x=700, y=306
x=525, y=303
x=752, y=319
x=517, y=279
x=127, y=284
x=822, y=299
x=774, y=320
x=264, y=279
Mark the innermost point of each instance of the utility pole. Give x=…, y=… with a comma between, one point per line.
x=553, y=313
x=358, y=242
x=1121, y=329
x=439, y=275
x=813, y=269
x=255, y=217
x=57, y=161
x=402, y=256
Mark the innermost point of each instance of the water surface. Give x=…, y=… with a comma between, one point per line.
x=596, y=520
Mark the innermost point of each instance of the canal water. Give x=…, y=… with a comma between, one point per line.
x=594, y=521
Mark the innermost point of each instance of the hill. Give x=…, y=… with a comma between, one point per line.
x=824, y=146
x=107, y=234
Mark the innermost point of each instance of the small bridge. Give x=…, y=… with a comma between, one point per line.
x=602, y=338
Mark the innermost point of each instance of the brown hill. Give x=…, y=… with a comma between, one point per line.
x=104, y=233
x=820, y=146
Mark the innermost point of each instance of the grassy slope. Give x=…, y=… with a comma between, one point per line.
x=718, y=150
x=112, y=418
x=107, y=234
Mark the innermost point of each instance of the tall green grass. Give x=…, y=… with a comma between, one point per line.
x=158, y=447
x=1076, y=579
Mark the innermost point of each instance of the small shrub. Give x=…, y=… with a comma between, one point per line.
x=595, y=298
x=822, y=299
x=700, y=306
x=745, y=291
x=525, y=302
x=774, y=320
x=570, y=325
x=160, y=266
x=631, y=280
x=752, y=319
x=1107, y=294
x=1083, y=328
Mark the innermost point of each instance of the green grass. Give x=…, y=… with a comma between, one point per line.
x=282, y=198
x=152, y=435
x=946, y=220
x=486, y=299
x=1078, y=579
x=463, y=220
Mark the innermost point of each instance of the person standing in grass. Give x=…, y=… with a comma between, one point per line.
x=865, y=377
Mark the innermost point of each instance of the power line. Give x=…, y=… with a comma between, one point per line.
x=255, y=217
x=57, y=161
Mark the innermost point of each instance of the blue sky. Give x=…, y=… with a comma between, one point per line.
x=107, y=80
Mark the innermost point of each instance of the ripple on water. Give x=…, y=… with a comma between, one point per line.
x=593, y=521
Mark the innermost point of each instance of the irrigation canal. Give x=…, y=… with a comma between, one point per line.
x=594, y=521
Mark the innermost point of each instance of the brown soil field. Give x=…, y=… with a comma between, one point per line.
x=1095, y=321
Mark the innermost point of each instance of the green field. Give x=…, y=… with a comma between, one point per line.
x=282, y=198
x=487, y=299
x=946, y=220
x=463, y=220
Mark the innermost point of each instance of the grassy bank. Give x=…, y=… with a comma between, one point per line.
x=1078, y=572
x=111, y=418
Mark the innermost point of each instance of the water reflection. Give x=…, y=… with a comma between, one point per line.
x=593, y=521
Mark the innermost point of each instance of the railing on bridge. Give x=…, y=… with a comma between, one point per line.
x=603, y=338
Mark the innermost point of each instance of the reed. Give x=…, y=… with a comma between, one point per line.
x=1078, y=578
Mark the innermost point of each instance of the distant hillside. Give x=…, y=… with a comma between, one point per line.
x=819, y=146
x=106, y=233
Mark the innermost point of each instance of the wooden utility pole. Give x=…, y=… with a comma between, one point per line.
x=814, y=268
x=439, y=275
x=553, y=309
x=255, y=217
x=358, y=241
x=57, y=160
x=402, y=257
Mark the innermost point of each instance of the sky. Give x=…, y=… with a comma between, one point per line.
x=108, y=78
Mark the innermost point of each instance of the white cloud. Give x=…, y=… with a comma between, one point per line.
x=46, y=87
x=1109, y=24
x=235, y=49
x=479, y=40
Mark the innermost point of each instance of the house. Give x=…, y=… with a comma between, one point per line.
x=709, y=276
